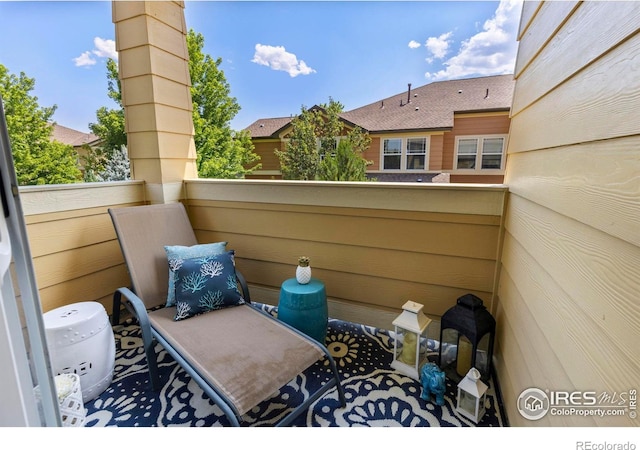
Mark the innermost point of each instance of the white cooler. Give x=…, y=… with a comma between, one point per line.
x=81, y=341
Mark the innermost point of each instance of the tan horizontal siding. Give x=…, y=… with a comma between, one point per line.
x=545, y=74
x=587, y=264
x=464, y=272
x=96, y=286
x=603, y=193
x=373, y=154
x=61, y=234
x=76, y=256
x=549, y=17
x=529, y=10
x=266, y=151
x=490, y=179
x=593, y=106
x=481, y=125
x=445, y=198
x=337, y=226
x=568, y=296
x=374, y=256
x=387, y=294
x=436, y=148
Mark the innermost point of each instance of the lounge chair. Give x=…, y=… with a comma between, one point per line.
x=240, y=356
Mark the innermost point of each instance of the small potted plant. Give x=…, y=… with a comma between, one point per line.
x=303, y=271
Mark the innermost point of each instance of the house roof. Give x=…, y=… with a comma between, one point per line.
x=432, y=106
x=73, y=137
x=268, y=127
x=429, y=107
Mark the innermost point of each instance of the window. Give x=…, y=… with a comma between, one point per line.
x=404, y=154
x=492, y=153
x=480, y=153
x=416, y=153
x=392, y=153
x=333, y=145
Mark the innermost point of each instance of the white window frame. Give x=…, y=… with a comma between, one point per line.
x=404, y=153
x=479, y=153
x=318, y=146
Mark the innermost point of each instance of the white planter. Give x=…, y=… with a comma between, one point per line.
x=303, y=274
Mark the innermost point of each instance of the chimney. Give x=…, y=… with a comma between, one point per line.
x=409, y=94
x=487, y=94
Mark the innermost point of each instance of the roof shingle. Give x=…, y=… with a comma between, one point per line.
x=432, y=106
x=70, y=136
x=429, y=107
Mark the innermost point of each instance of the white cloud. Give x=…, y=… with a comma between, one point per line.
x=84, y=60
x=277, y=58
x=438, y=46
x=103, y=48
x=489, y=52
x=414, y=44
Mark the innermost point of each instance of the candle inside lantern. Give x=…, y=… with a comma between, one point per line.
x=463, y=364
x=408, y=355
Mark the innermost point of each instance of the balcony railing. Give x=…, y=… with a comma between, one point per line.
x=375, y=245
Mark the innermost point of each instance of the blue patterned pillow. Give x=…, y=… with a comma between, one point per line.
x=206, y=284
x=177, y=254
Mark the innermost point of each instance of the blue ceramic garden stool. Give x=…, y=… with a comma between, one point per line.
x=304, y=307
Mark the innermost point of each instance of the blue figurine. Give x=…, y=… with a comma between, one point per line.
x=433, y=382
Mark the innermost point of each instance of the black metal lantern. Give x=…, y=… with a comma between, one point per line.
x=467, y=333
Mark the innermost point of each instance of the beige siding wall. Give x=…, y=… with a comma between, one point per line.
x=76, y=255
x=375, y=245
x=568, y=308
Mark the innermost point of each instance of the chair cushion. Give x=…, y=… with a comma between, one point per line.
x=176, y=254
x=206, y=284
x=244, y=353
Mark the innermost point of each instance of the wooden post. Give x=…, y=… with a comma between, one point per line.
x=155, y=83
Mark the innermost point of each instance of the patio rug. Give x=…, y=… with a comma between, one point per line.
x=377, y=395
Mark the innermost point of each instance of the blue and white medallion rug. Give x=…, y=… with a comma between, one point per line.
x=377, y=395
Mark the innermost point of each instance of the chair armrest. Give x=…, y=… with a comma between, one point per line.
x=135, y=305
x=244, y=286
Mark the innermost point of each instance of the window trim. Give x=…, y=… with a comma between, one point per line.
x=404, y=153
x=478, y=166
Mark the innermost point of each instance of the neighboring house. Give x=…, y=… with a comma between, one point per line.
x=457, y=128
x=77, y=139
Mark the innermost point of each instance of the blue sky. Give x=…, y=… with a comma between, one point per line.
x=277, y=56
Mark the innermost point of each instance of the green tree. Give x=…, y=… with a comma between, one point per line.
x=300, y=159
x=312, y=151
x=110, y=122
x=117, y=168
x=37, y=159
x=109, y=127
x=221, y=151
x=345, y=163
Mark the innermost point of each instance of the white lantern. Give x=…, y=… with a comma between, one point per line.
x=410, y=344
x=472, y=394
